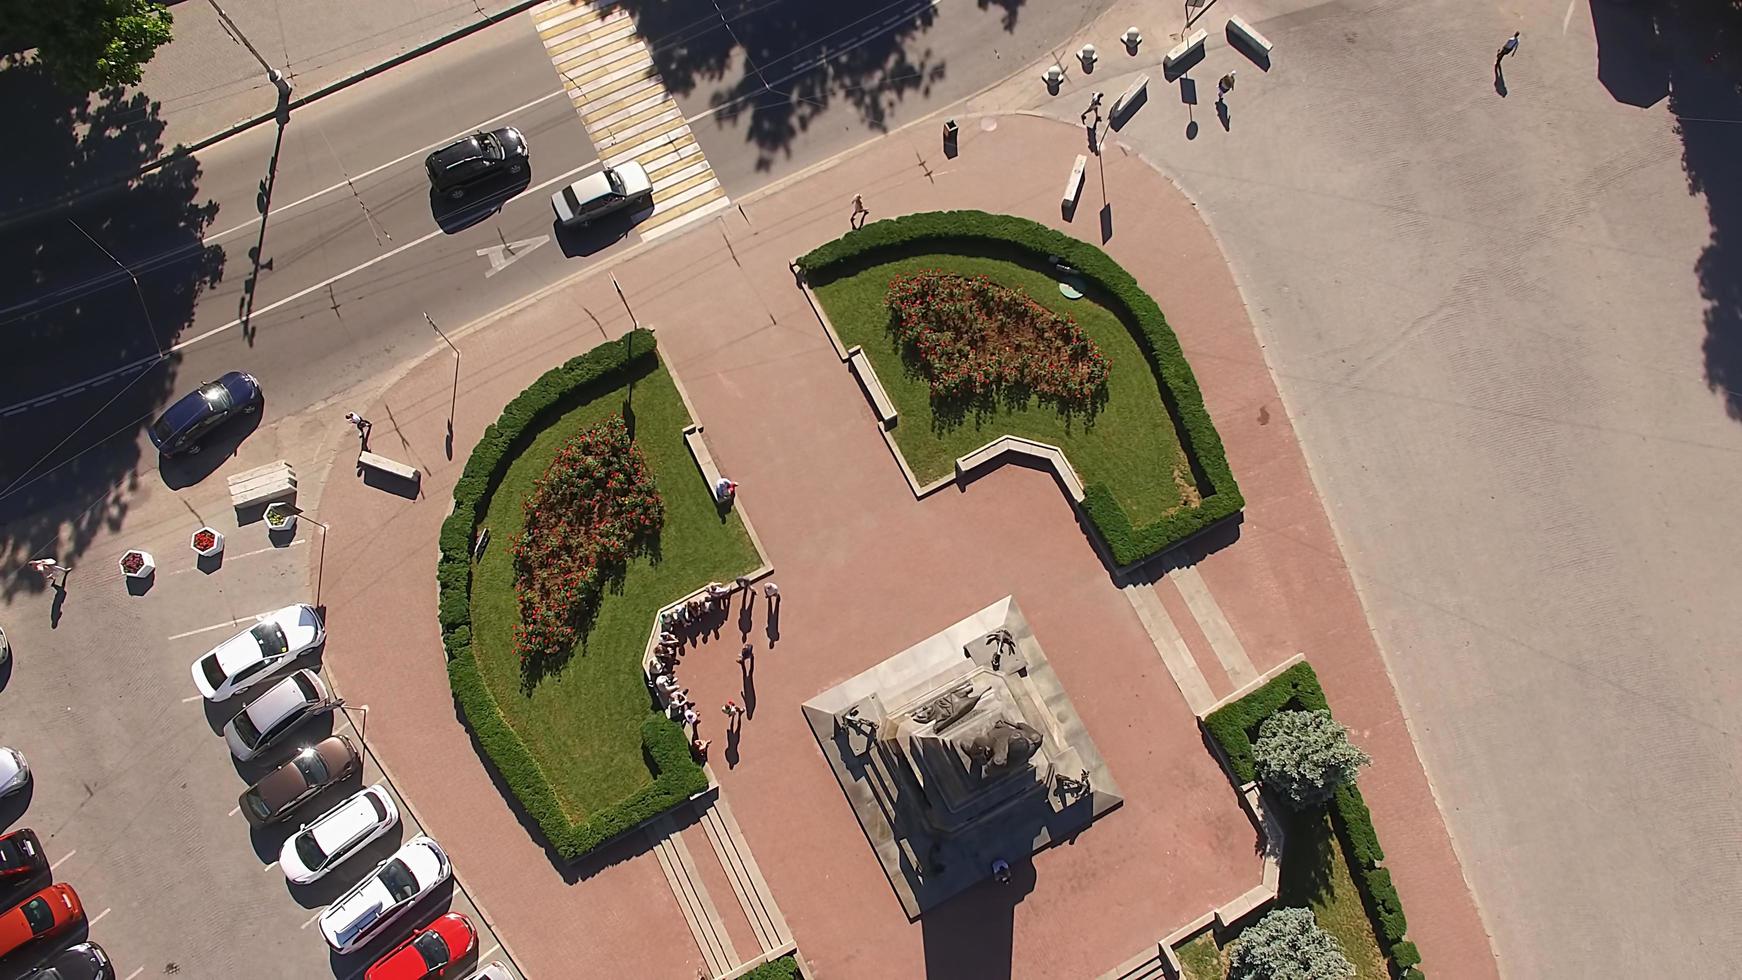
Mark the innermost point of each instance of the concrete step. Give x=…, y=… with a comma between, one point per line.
x=698, y=908
x=754, y=896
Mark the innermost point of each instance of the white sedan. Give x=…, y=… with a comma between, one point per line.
x=386, y=894
x=14, y=771
x=250, y=657
x=341, y=832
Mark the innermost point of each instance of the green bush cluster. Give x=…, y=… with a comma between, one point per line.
x=1234, y=726
x=676, y=775
x=1179, y=387
x=784, y=968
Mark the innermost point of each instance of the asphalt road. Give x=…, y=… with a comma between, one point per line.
x=135, y=793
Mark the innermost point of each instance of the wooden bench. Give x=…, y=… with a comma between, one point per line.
x=1185, y=49
x=1050, y=455
x=1239, y=30
x=1074, y=183
x=867, y=376
x=376, y=461
x=1128, y=101
x=692, y=437
x=262, y=485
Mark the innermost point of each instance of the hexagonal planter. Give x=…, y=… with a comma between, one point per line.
x=207, y=542
x=279, y=517
x=138, y=565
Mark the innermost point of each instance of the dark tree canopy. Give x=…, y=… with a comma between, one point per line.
x=89, y=45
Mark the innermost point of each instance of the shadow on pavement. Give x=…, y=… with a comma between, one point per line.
x=971, y=934
x=454, y=215
x=102, y=285
x=215, y=450
x=577, y=242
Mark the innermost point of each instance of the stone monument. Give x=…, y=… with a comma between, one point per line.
x=961, y=750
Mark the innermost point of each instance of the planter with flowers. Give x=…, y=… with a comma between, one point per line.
x=137, y=564
x=279, y=517
x=208, y=542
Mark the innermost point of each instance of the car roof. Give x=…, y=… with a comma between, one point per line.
x=420, y=855
x=280, y=699
x=470, y=148
x=345, y=822
x=187, y=410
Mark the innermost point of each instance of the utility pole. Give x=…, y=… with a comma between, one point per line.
x=273, y=75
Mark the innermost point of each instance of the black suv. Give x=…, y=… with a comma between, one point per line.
x=181, y=427
x=457, y=167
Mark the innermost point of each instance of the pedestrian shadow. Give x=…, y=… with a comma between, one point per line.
x=773, y=628
x=1222, y=114
x=750, y=693
x=54, y=611
x=1499, y=81
x=731, y=754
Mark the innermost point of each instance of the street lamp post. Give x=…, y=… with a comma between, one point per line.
x=321, y=566
x=273, y=75
x=454, y=401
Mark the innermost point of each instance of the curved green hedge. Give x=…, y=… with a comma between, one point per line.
x=1179, y=387
x=676, y=776
x=1232, y=727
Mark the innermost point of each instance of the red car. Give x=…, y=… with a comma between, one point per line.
x=429, y=952
x=21, y=857
x=45, y=913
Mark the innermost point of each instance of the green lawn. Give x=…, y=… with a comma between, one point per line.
x=1129, y=444
x=1315, y=873
x=582, y=722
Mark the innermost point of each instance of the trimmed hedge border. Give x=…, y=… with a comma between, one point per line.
x=784, y=968
x=1233, y=727
x=676, y=776
x=1179, y=387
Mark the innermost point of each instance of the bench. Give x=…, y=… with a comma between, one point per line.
x=1184, y=49
x=692, y=437
x=380, y=463
x=880, y=402
x=262, y=485
x=1074, y=183
x=1052, y=456
x=1240, y=31
x=1130, y=99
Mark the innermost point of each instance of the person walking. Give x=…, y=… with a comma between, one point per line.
x=1093, y=109
x=48, y=567
x=771, y=592
x=747, y=657
x=1224, y=86
x=1510, y=47
x=363, y=425
x=860, y=212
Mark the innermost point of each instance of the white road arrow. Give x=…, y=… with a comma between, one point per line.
x=504, y=255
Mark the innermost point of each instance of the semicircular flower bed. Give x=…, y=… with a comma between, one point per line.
x=977, y=339
x=592, y=508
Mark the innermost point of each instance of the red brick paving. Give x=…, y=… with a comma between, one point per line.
x=865, y=571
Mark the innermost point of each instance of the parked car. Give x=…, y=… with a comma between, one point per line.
x=429, y=952
x=344, y=830
x=5, y=648
x=181, y=426
x=14, y=771
x=21, y=857
x=613, y=189
x=461, y=165
x=272, y=715
x=86, y=961
x=314, y=768
x=51, y=910
x=495, y=971
x=385, y=894
x=250, y=657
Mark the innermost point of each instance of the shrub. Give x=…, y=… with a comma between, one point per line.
x=592, y=507
x=1305, y=756
x=784, y=968
x=1405, y=955
x=676, y=776
x=1128, y=543
x=1287, y=944
x=976, y=339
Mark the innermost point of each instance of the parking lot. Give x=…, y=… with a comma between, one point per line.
x=134, y=793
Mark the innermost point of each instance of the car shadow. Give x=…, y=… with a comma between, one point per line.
x=325, y=891
x=307, y=733
x=215, y=450
x=580, y=241
x=12, y=808
x=454, y=215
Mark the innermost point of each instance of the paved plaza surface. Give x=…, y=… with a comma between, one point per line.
x=1506, y=329
x=866, y=570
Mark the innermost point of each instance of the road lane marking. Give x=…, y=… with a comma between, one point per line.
x=485, y=956
x=271, y=866
x=192, y=699
x=312, y=918
x=504, y=255
x=136, y=971
x=63, y=859
x=99, y=917
x=246, y=554
x=234, y=810
x=208, y=629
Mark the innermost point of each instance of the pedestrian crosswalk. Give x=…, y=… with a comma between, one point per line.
x=613, y=83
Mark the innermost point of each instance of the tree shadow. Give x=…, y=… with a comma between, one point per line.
x=776, y=68
x=71, y=312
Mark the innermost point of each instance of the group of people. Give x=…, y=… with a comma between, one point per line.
x=675, y=624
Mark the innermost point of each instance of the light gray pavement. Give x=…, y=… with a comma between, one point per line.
x=1485, y=319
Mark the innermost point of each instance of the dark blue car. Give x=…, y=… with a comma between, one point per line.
x=181, y=427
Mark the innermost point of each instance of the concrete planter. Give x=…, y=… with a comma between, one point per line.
x=143, y=565
x=280, y=518
x=215, y=548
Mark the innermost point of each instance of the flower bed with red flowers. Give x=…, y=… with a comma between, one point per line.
x=132, y=562
x=203, y=540
x=592, y=508
x=976, y=338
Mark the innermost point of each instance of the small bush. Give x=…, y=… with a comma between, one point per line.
x=1405, y=955
x=1304, y=756
x=784, y=968
x=1179, y=387
x=1287, y=944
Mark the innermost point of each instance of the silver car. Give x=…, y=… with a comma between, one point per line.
x=606, y=192
x=14, y=771
x=272, y=715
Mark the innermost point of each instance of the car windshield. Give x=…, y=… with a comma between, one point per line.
x=270, y=636
x=40, y=916
x=217, y=396
x=309, y=694
x=214, y=672
x=257, y=805
x=11, y=855
x=312, y=767
x=245, y=729
x=398, y=880
x=434, y=952
x=616, y=181
x=309, y=850
x=492, y=146
x=162, y=429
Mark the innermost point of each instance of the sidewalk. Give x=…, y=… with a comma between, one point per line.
x=786, y=418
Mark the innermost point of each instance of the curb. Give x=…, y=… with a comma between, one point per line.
x=188, y=149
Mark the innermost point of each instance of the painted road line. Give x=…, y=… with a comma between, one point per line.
x=192, y=699
x=485, y=956
x=271, y=866
x=234, y=810
x=63, y=859
x=246, y=554
x=136, y=971
x=99, y=918
x=219, y=626
x=627, y=110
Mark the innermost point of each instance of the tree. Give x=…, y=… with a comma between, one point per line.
x=1304, y=756
x=1287, y=944
x=89, y=45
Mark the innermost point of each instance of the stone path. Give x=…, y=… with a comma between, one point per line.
x=689, y=875
x=629, y=115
